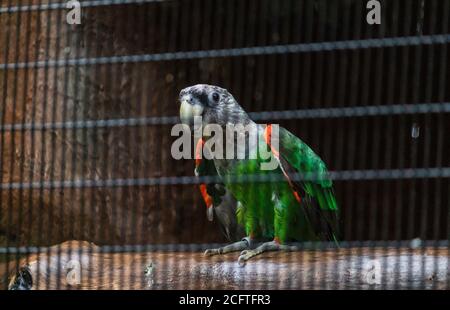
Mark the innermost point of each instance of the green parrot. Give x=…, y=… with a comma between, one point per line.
x=276, y=211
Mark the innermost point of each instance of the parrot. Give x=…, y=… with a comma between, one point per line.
x=275, y=213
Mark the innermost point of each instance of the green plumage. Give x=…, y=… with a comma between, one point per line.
x=270, y=209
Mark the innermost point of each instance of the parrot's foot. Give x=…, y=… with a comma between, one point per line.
x=234, y=247
x=265, y=247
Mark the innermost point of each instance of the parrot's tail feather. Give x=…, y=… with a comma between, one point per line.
x=321, y=211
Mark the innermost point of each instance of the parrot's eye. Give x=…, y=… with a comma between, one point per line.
x=216, y=97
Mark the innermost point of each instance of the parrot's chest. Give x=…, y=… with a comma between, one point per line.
x=239, y=173
x=241, y=177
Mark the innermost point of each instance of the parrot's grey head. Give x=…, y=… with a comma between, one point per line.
x=213, y=104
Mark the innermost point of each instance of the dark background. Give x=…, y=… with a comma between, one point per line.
x=371, y=210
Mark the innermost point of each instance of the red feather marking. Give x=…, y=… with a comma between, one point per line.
x=198, y=160
x=297, y=197
x=208, y=199
x=267, y=138
x=198, y=152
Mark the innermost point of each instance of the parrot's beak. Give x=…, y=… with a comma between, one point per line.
x=210, y=213
x=189, y=111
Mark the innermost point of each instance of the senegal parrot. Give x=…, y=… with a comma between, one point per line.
x=276, y=211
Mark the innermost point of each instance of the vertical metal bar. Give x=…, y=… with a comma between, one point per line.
x=296, y=8
x=194, y=74
x=2, y=122
x=80, y=193
x=125, y=90
x=144, y=26
x=415, y=93
x=52, y=144
x=317, y=101
x=403, y=89
x=388, y=162
x=165, y=192
x=102, y=148
x=148, y=165
x=329, y=97
x=283, y=60
x=377, y=89
x=43, y=151
x=10, y=232
x=267, y=27
x=261, y=68
x=341, y=94
x=64, y=108
x=91, y=154
x=111, y=169
x=262, y=78
x=306, y=97
x=248, y=71
x=89, y=170
x=442, y=76
x=281, y=86
x=427, y=130
x=239, y=36
x=22, y=239
x=2, y=146
x=352, y=203
x=137, y=167
x=30, y=205
x=289, y=63
x=363, y=146
x=73, y=137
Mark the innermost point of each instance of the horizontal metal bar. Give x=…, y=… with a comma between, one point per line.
x=237, y=52
x=398, y=109
x=345, y=175
x=63, y=5
x=379, y=110
x=195, y=247
x=102, y=123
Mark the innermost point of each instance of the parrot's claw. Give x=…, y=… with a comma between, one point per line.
x=234, y=247
x=211, y=252
x=246, y=255
x=265, y=247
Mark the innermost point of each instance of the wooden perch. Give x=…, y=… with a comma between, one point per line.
x=354, y=268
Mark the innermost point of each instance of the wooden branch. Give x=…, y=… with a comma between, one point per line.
x=355, y=268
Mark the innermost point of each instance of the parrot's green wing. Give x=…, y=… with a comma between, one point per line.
x=315, y=194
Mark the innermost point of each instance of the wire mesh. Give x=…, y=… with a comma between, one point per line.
x=91, y=197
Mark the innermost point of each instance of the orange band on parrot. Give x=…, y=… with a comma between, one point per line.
x=268, y=138
x=198, y=160
x=206, y=197
x=297, y=196
x=198, y=152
